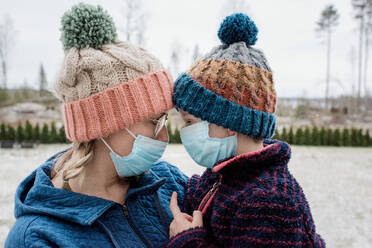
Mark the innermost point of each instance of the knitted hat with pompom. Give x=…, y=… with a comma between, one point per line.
x=106, y=84
x=232, y=86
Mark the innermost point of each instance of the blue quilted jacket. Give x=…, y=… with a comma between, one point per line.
x=50, y=217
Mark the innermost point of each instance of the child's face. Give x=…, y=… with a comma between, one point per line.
x=214, y=130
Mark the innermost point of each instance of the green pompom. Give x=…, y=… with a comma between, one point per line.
x=86, y=26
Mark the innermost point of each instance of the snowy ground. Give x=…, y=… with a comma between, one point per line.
x=336, y=181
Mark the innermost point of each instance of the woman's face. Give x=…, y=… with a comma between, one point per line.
x=214, y=130
x=122, y=142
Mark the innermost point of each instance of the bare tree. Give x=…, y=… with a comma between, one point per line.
x=368, y=33
x=7, y=37
x=362, y=10
x=135, y=24
x=234, y=6
x=352, y=57
x=196, y=53
x=174, y=63
x=328, y=20
x=177, y=63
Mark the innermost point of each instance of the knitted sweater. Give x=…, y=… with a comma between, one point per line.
x=257, y=203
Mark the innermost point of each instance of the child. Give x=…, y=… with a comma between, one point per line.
x=247, y=196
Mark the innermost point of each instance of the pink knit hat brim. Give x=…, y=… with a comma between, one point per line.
x=118, y=107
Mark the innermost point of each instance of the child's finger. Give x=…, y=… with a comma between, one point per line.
x=197, y=218
x=173, y=205
x=187, y=217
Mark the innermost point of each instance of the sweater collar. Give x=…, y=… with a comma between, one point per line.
x=274, y=151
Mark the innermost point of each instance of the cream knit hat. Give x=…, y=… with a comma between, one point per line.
x=105, y=84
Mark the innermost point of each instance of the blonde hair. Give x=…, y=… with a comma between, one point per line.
x=73, y=162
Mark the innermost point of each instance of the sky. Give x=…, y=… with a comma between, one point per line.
x=296, y=54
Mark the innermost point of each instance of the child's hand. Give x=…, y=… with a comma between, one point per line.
x=182, y=221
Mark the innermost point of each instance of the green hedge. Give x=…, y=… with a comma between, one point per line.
x=174, y=137
x=325, y=136
x=48, y=134
x=314, y=136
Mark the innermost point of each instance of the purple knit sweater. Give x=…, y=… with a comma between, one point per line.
x=257, y=203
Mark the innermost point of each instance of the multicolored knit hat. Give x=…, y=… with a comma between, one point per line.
x=106, y=84
x=232, y=86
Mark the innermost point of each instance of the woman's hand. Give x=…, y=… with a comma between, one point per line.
x=182, y=221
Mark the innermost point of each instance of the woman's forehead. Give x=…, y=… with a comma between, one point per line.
x=158, y=116
x=186, y=115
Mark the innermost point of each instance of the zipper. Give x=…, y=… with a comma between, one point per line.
x=209, y=195
x=162, y=215
x=126, y=214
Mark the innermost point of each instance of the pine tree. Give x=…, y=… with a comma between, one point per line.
x=36, y=132
x=20, y=135
x=291, y=137
x=307, y=136
x=62, y=135
x=170, y=134
x=367, y=138
x=330, y=140
x=284, y=135
x=276, y=135
x=325, y=26
x=337, y=139
x=346, y=139
x=354, y=137
x=44, y=138
x=28, y=131
x=2, y=132
x=42, y=80
x=315, y=137
x=360, y=137
x=323, y=137
x=53, y=138
x=177, y=136
x=11, y=133
x=299, y=136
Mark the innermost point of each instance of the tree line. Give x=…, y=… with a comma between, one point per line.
x=50, y=134
x=45, y=134
x=316, y=136
x=311, y=136
x=325, y=26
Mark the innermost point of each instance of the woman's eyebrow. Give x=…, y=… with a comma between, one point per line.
x=158, y=116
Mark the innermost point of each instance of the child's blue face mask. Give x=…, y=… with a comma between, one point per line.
x=204, y=150
x=144, y=154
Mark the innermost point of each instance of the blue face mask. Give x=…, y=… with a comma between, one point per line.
x=204, y=150
x=144, y=154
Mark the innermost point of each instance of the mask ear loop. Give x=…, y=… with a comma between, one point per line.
x=109, y=147
x=130, y=132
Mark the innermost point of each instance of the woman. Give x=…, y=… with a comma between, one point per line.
x=109, y=189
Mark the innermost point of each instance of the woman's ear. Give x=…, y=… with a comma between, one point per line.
x=230, y=133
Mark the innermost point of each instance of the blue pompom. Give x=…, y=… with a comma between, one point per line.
x=236, y=28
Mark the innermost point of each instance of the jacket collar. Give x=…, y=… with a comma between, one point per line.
x=37, y=195
x=274, y=151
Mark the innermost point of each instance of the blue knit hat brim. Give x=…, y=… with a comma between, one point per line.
x=204, y=104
